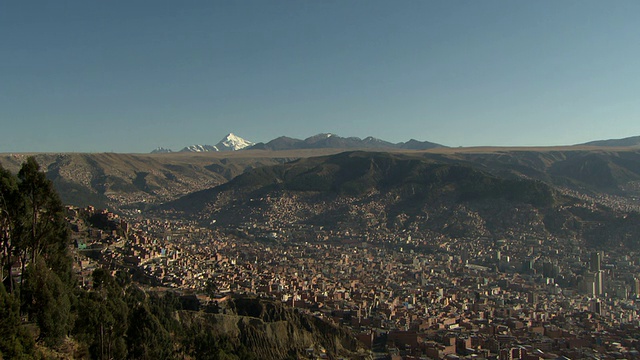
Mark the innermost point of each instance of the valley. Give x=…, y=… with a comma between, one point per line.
x=439, y=252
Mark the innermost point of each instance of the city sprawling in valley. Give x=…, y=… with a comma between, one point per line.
x=358, y=248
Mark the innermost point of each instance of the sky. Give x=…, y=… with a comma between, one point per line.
x=130, y=76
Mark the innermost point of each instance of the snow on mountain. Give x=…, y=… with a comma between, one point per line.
x=161, y=150
x=199, y=148
x=232, y=142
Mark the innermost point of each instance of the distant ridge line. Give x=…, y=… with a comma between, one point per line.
x=625, y=142
x=320, y=141
x=233, y=142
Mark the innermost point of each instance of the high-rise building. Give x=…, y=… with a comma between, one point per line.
x=589, y=284
x=596, y=259
x=595, y=306
x=599, y=280
x=636, y=286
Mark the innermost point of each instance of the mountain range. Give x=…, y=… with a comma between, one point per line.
x=321, y=141
x=233, y=142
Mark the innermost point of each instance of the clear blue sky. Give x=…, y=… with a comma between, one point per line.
x=128, y=76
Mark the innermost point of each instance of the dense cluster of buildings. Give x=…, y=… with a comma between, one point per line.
x=522, y=297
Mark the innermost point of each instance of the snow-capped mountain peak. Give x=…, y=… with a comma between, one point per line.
x=232, y=142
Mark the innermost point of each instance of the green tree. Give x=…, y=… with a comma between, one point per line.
x=48, y=302
x=147, y=339
x=9, y=210
x=15, y=342
x=41, y=239
x=33, y=229
x=103, y=318
x=43, y=213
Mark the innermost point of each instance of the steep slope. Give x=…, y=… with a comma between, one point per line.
x=592, y=172
x=358, y=192
x=268, y=330
x=111, y=180
x=135, y=180
x=232, y=142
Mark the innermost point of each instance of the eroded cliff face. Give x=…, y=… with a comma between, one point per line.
x=267, y=330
